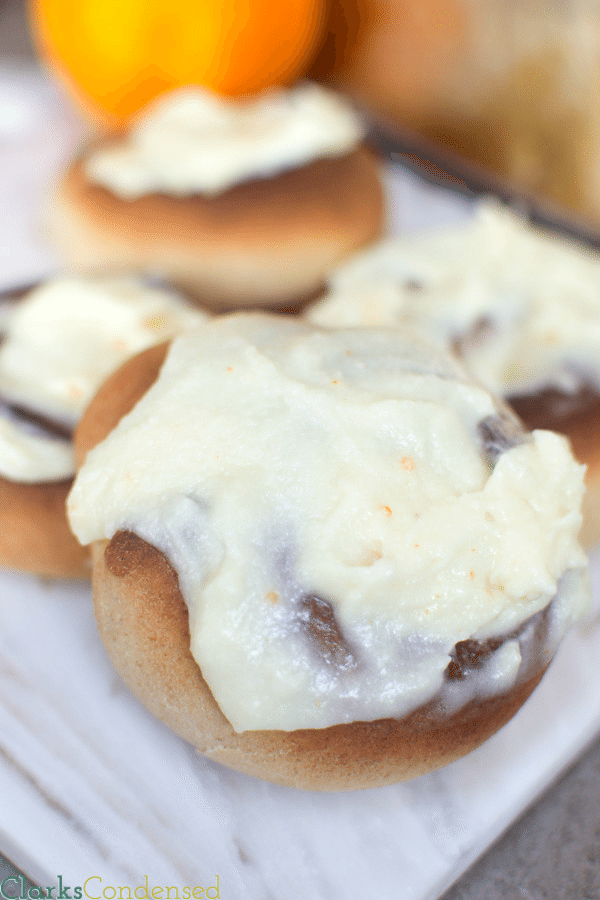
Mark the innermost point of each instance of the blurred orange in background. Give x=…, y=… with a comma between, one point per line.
x=117, y=55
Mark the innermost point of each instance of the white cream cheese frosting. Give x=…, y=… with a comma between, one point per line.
x=342, y=507
x=521, y=307
x=193, y=142
x=60, y=343
x=28, y=454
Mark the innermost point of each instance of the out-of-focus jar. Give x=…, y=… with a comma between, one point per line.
x=514, y=86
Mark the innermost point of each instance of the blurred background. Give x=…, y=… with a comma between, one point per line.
x=15, y=41
x=512, y=87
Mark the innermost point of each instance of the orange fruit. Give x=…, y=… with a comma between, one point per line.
x=118, y=55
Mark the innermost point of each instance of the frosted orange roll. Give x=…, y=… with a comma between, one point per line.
x=355, y=567
x=242, y=203
x=59, y=344
x=519, y=305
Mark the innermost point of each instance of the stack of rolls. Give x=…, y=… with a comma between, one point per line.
x=240, y=201
x=325, y=550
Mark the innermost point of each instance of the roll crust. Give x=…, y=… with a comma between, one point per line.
x=34, y=534
x=268, y=242
x=143, y=622
x=584, y=431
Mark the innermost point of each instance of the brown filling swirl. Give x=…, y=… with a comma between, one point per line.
x=471, y=655
x=319, y=624
x=499, y=433
x=37, y=422
x=555, y=409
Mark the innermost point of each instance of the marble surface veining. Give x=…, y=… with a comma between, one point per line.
x=93, y=786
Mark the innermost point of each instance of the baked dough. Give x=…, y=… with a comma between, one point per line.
x=143, y=621
x=68, y=335
x=267, y=242
x=34, y=534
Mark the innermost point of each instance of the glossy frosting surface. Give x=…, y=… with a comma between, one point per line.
x=60, y=344
x=520, y=306
x=342, y=507
x=194, y=142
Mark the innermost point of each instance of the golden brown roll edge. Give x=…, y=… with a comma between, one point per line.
x=143, y=622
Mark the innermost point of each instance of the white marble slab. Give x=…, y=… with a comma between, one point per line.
x=92, y=787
